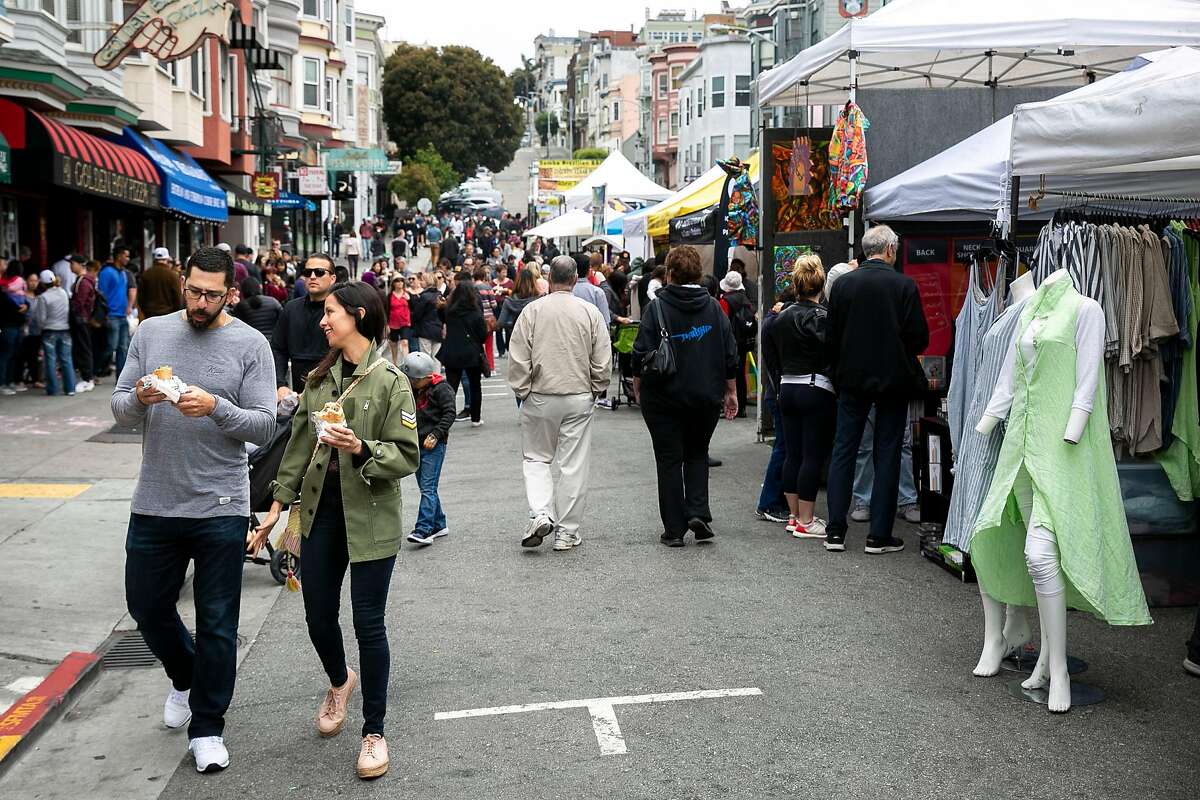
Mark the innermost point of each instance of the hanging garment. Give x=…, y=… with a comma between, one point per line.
x=1076, y=493
x=1181, y=461
x=976, y=455
x=848, y=159
x=742, y=218
x=1172, y=350
x=978, y=313
x=800, y=175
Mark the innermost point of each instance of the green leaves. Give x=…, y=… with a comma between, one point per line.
x=455, y=99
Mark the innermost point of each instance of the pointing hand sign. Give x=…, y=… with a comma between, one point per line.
x=166, y=29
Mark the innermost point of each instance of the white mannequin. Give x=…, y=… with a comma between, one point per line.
x=1005, y=628
x=1041, y=551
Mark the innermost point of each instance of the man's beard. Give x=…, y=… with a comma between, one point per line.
x=204, y=323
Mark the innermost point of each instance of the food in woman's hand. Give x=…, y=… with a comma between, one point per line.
x=332, y=414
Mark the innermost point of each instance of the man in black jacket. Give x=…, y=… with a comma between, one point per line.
x=298, y=340
x=427, y=319
x=876, y=330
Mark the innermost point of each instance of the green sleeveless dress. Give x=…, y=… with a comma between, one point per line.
x=1076, y=493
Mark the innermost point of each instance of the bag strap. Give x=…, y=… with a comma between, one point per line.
x=663, y=330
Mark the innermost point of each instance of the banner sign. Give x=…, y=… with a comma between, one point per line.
x=71, y=173
x=5, y=161
x=265, y=185
x=357, y=159
x=345, y=186
x=557, y=176
x=166, y=29
x=598, y=209
x=312, y=181
x=698, y=227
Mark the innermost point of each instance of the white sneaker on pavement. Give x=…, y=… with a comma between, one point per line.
x=84, y=386
x=539, y=528
x=7, y=392
x=210, y=753
x=564, y=541
x=177, y=711
x=810, y=530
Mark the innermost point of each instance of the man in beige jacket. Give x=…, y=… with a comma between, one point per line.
x=559, y=361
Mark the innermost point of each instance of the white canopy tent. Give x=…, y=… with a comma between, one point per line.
x=911, y=44
x=969, y=181
x=575, y=222
x=622, y=181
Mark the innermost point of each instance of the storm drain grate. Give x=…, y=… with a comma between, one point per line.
x=128, y=651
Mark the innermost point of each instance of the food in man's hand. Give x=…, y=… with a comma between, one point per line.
x=164, y=373
x=164, y=381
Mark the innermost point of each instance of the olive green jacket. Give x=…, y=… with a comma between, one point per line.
x=382, y=413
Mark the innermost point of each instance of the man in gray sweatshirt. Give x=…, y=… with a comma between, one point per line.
x=192, y=500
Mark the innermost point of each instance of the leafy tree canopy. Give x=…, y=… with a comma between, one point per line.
x=455, y=97
x=414, y=182
x=442, y=170
x=524, y=78
x=540, y=122
x=596, y=153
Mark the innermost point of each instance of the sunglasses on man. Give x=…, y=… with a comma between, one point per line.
x=316, y=272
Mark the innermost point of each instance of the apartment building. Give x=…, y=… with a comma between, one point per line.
x=553, y=55
x=715, y=101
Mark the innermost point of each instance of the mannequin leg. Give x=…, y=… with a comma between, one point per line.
x=994, y=645
x=1016, y=628
x=1041, y=556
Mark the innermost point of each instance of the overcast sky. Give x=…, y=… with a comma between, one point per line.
x=504, y=30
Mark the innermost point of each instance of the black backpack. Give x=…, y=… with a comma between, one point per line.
x=742, y=319
x=99, y=317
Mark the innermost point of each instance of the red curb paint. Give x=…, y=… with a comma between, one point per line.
x=21, y=720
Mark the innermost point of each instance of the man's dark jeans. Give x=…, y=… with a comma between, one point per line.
x=157, y=551
x=891, y=415
x=771, y=498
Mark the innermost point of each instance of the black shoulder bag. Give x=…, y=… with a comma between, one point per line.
x=661, y=362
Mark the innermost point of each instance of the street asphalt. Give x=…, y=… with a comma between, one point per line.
x=863, y=662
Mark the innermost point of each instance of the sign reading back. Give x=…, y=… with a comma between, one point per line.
x=166, y=29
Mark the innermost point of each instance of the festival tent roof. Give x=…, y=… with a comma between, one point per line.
x=621, y=179
x=1147, y=119
x=910, y=44
x=968, y=180
x=575, y=222
x=700, y=193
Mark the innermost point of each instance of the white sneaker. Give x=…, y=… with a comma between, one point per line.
x=477, y=424
x=812, y=530
x=210, y=753
x=440, y=534
x=177, y=711
x=539, y=528
x=84, y=386
x=7, y=392
x=565, y=542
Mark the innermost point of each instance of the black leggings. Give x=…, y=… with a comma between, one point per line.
x=474, y=375
x=324, y=558
x=809, y=413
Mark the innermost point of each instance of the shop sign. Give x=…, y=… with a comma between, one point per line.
x=166, y=29
x=312, y=181
x=925, y=251
x=5, y=162
x=356, y=159
x=965, y=249
x=698, y=227
x=345, y=186
x=247, y=204
x=362, y=107
x=71, y=173
x=265, y=185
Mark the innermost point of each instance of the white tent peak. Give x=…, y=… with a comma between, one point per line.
x=945, y=43
x=621, y=179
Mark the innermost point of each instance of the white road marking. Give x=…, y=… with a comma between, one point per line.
x=25, y=684
x=601, y=709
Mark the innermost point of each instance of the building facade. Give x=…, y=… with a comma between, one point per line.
x=553, y=55
x=666, y=67
x=715, y=103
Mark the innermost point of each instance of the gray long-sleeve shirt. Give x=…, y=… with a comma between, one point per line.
x=196, y=466
x=51, y=311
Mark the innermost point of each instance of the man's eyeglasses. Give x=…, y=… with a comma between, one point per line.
x=196, y=294
x=316, y=272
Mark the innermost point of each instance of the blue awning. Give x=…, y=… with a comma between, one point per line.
x=290, y=200
x=186, y=187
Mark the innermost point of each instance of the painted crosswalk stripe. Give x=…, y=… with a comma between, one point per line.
x=42, y=491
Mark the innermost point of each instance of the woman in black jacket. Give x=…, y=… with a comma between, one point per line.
x=462, y=351
x=258, y=310
x=798, y=367
x=681, y=410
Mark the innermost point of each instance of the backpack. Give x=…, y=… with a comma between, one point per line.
x=743, y=321
x=99, y=317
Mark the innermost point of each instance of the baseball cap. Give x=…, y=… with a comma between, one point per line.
x=225, y=247
x=46, y=276
x=418, y=365
x=161, y=254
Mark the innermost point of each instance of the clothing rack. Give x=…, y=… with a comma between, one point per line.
x=1112, y=197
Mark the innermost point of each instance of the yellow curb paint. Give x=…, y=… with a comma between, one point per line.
x=43, y=491
x=7, y=743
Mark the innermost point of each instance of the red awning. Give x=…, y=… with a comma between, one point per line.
x=81, y=146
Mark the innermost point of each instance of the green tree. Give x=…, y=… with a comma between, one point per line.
x=414, y=182
x=594, y=153
x=540, y=122
x=443, y=171
x=455, y=97
x=524, y=78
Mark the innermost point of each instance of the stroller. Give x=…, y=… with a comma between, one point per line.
x=623, y=339
x=264, y=464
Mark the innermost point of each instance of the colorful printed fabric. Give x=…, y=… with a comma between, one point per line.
x=848, y=159
x=800, y=176
x=741, y=219
x=785, y=262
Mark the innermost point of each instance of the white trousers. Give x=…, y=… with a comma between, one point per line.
x=1041, y=545
x=431, y=347
x=556, y=430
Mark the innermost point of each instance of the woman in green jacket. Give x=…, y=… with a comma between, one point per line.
x=348, y=485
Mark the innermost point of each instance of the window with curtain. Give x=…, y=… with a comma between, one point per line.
x=282, y=80
x=662, y=131
x=311, y=8
x=348, y=23
x=330, y=98
x=741, y=90
x=662, y=86
x=75, y=21
x=674, y=124
x=676, y=71
x=195, y=71
x=364, y=71
x=312, y=83
x=349, y=80
x=718, y=91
